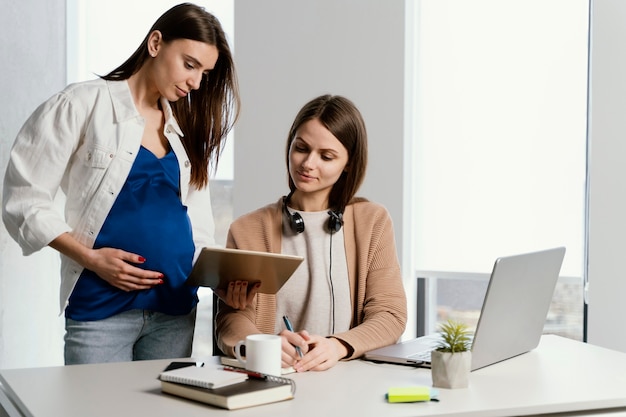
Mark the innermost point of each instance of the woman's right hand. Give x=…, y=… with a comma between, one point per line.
x=115, y=266
x=238, y=294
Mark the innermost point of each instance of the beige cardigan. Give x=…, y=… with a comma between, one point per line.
x=377, y=293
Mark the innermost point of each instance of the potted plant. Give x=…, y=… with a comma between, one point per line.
x=452, y=358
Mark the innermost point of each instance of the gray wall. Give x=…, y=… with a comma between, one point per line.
x=607, y=175
x=32, y=68
x=289, y=51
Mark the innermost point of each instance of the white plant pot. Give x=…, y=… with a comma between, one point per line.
x=450, y=370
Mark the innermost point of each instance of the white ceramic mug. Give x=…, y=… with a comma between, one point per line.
x=263, y=353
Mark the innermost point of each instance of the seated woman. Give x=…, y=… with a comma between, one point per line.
x=347, y=297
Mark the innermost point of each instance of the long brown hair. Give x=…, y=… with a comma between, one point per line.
x=206, y=115
x=342, y=118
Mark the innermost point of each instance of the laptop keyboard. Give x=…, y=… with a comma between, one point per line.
x=423, y=356
x=430, y=342
x=433, y=341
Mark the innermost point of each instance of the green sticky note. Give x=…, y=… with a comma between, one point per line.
x=408, y=394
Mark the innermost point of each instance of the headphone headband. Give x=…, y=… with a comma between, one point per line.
x=296, y=222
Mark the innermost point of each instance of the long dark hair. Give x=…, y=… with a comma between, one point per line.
x=342, y=118
x=206, y=115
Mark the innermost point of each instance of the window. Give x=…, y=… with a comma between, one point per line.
x=500, y=146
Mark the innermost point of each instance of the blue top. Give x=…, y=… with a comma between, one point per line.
x=149, y=219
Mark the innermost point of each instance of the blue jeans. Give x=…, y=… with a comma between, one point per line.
x=128, y=336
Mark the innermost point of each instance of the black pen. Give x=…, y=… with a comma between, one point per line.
x=251, y=374
x=290, y=328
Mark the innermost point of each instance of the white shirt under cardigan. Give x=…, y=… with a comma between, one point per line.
x=84, y=141
x=316, y=298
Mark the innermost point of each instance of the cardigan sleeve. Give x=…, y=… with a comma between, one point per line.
x=379, y=297
x=380, y=302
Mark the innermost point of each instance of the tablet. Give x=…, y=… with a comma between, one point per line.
x=216, y=267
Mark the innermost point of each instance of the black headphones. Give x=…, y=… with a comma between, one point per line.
x=296, y=222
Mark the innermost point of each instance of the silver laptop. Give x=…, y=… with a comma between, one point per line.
x=512, y=317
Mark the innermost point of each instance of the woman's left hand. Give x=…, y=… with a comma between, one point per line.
x=323, y=354
x=239, y=294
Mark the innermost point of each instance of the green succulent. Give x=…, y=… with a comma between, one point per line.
x=456, y=337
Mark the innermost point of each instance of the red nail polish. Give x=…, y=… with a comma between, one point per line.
x=142, y=259
x=160, y=281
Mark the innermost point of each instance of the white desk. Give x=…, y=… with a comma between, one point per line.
x=561, y=376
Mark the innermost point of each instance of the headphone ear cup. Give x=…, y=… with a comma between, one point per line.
x=335, y=221
x=297, y=222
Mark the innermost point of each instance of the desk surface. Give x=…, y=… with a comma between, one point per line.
x=561, y=375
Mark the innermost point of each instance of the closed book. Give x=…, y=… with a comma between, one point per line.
x=204, y=377
x=249, y=393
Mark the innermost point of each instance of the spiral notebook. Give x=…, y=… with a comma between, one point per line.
x=254, y=389
x=203, y=377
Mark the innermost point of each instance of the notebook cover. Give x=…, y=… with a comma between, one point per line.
x=249, y=393
x=206, y=377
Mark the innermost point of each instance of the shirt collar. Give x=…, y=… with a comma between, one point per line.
x=124, y=107
x=170, y=120
x=122, y=99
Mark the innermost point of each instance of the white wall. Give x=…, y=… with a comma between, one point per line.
x=32, y=68
x=607, y=175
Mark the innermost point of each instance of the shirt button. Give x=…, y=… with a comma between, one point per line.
x=89, y=155
x=187, y=163
x=110, y=155
x=168, y=130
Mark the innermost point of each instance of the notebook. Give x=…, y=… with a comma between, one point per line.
x=216, y=267
x=202, y=376
x=254, y=389
x=512, y=317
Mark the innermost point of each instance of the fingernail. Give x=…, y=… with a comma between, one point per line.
x=160, y=281
x=142, y=259
x=161, y=276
